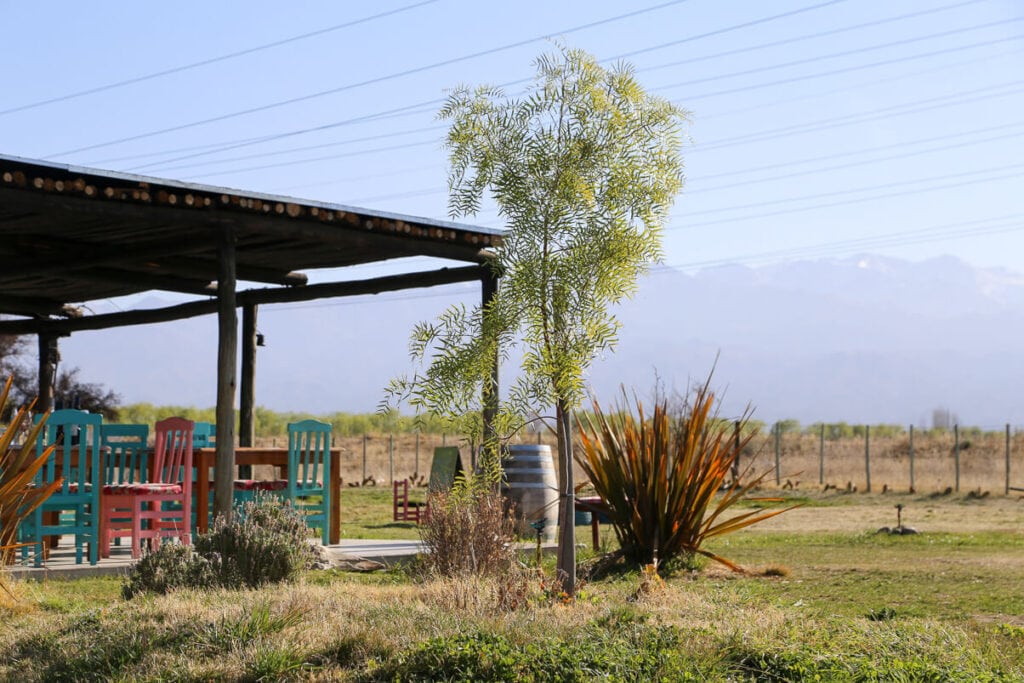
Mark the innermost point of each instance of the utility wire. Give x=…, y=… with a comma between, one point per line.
x=810, y=36
x=847, y=202
x=370, y=81
x=212, y=60
x=162, y=166
x=727, y=29
x=850, y=69
x=861, y=50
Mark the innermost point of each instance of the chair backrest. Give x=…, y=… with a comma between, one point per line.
x=78, y=432
x=309, y=452
x=124, y=453
x=203, y=435
x=172, y=453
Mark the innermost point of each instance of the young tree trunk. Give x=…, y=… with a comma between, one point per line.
x=566, y=501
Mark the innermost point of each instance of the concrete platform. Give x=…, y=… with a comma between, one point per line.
x=61, y=563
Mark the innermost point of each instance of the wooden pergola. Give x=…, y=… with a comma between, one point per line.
x=71, y=235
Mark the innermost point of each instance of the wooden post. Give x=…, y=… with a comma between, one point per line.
x=821, y=456
x=247, y=390
x=778, y=446
x=391, y=458
x=417, y=453
x=489, y=289
x=49, y=356
x=867, y=457
x=1007, y=492
x=227, y=356
x=364, y=459
x=956, y=456
x=912, y=488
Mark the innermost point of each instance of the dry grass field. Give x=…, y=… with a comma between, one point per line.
x=982, y=460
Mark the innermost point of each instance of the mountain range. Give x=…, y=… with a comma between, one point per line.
x=864, y=339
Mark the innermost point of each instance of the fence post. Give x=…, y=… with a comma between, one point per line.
x=538, y=437
x=417, y=470
x=778, y=439
x=391, y=457
x=364, y=458
x=912, y=489
x=867, y=457
x=821, y=456
x=1007, y=492
x=956, y=455
x=444, y=439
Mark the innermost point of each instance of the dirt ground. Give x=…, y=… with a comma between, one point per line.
x=926, y=514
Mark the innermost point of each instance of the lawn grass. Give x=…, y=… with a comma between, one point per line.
x=844, y=604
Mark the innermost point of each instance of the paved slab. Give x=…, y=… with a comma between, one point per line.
x=61, y=563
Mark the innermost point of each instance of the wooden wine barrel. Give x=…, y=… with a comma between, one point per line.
x=530, y=483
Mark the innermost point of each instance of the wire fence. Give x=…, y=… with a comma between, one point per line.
x=971, y=460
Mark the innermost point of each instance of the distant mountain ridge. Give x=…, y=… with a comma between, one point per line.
x=859, y=339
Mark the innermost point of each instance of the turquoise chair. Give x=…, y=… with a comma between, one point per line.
x=309, y=469
x=205, y=435
x=74, y=508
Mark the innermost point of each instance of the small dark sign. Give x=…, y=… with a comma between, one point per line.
x=446, y=465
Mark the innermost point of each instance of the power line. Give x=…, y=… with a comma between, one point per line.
x=810, y=36
x=293, y=150
x=212, y=60
x=848, y=202
x=431, y=103
x=160, y=164
x=359, y=84
x=438, y=190
x=849, y=69
x=881, y=113
x=861, y=50
x=875, y=160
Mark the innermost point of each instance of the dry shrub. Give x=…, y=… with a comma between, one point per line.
x=470, y=532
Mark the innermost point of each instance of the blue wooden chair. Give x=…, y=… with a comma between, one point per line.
x=309, y=470
x=75, y=508
x=205, y=435
x=125, y=461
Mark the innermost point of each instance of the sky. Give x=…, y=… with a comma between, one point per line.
x=817, y=128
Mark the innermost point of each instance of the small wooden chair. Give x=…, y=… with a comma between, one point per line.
x=125, y=460
x=74, y=507
x=161, y=506
x=406, y=510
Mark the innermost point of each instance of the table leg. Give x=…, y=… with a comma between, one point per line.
x=202, y=493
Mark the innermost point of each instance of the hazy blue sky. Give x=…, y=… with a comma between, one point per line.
x=818, y=128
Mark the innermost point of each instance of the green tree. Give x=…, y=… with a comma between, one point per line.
x=583, y=170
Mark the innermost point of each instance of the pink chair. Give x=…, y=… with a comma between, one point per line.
x=405, y=510
x=161, y=506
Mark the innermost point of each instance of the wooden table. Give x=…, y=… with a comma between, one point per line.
x=204, y=460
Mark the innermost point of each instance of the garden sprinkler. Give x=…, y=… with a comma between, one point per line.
x=539, y=526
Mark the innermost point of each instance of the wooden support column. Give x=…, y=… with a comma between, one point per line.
x=489, y=289
x=49, y=355
x=247, y=394
x=227, y=355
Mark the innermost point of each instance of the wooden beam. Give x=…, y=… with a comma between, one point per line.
x=32, y=305
x=389, y=283
x=227, y=354
x=166, y=283
x=197, y=267
x=49, y=354
x=490, y=398
x=247, y=394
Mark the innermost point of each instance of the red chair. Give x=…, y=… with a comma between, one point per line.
x=406, y=510
x=161, y=506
